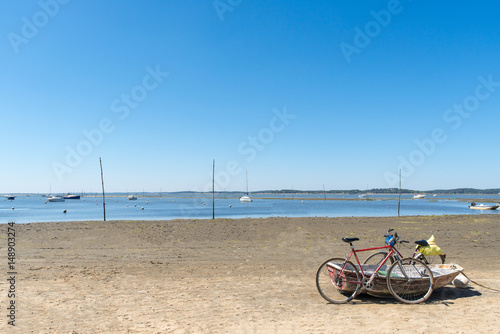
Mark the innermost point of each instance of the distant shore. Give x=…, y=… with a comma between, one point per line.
x=236, y=276
x=368, y=198
x=494, y=198
x=473, y=192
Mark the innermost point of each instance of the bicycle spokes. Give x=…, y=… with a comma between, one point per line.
x=338, y=281
x=410, y=281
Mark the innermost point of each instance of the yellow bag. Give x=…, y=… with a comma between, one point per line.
x=432, y=249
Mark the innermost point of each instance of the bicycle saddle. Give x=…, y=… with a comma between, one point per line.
x=422, y=243
x=349, y=240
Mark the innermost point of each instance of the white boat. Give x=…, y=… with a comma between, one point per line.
x=418, y=196
x=364, y=195
x=246, y=198
x=70, y=196
x=481, y=206
x=132, y=198
x=55, y=199
x=10, y=197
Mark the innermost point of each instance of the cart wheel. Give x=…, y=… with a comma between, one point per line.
x=410, y=281
x=338, y=281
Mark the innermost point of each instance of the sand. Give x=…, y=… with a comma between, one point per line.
x=235, y=276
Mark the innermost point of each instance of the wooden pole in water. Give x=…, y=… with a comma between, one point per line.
x=103, y=197
x=399, y=193
x=213, y=191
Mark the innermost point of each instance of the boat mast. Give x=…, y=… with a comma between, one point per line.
x=247, y=180
x=213, y=191
x=103, y=198
x=399, y=192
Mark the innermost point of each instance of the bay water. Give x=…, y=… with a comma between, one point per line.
x=28, y=209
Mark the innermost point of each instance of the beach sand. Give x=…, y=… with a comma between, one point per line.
x=235, y=276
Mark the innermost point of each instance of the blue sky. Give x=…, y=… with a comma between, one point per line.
x=304, y=94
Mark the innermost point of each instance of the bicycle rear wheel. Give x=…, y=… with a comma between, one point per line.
x=430, y=259
x=377, y=258
x=338, y=280
x=410, y=281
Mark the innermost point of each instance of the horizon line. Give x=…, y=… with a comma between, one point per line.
x=373, y=190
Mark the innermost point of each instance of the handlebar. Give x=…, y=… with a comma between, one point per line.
x=396, y=237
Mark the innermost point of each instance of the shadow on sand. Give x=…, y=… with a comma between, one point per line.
x=445, y=295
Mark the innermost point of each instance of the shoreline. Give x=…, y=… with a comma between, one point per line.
x=473, y=213
x=430, y=199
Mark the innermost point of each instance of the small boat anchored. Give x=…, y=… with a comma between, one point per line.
x=70, y=196
x=418, y=196
x=55, y=199
x=132, y=198
x=10, y=197
x=246, y=198
x=481, y=206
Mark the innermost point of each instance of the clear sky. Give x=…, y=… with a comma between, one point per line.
x=302, y=94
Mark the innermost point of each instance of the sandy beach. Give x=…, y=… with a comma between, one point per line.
x=235, y=276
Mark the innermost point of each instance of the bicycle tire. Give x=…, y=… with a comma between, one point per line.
x=336, y=285
x=410, y=281
x=430, y=259
x=377, y=258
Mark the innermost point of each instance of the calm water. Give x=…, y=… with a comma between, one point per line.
x=29, y=209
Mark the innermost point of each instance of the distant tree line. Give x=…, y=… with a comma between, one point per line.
x=385, y=191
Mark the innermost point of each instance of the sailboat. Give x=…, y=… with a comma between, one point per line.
x=246, y=198
x=365, y=195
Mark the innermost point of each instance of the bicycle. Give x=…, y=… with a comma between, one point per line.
x=428, y=259
x=394, y=239
x=339, y=281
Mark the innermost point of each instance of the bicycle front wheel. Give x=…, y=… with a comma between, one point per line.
x=410, y=281
x=338, y=280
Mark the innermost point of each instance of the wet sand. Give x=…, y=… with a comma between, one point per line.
x=235, y=276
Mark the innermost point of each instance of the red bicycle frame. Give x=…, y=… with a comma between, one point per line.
x=355, y=251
